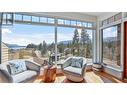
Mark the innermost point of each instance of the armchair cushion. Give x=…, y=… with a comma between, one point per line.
x=23, y=76
x=73, y=70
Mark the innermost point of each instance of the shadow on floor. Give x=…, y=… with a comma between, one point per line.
x=69, y=81
x=106, y=77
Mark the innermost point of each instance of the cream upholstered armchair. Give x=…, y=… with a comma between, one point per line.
x=17, y=73
x=74, y=68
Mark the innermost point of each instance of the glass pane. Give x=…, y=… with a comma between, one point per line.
x=60, y=21
x=4, y=19
x=35, y=19
x=86, y=45
x=79, y=23
x=64, y=45
x=51, y=20
x=78, y=42
x=90, y=25
x=67, y=22
x=43, y=19
x=9, y=19
x=94, y=24
x=111, y=45
x=84, y=24
x=27, y=41
x=73, y=23
x=26, y=18
x=4, y=16
x=18, y=17
x=9, y=16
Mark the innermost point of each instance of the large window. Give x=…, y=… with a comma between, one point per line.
x=111, y=45
x=75, y=42
x=64, y=45
x=22, y=41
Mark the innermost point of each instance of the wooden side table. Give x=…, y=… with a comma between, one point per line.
x=49, y=74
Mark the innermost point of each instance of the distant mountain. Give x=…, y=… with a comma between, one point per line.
x=65, y=42
x=13, y=45
x=109, y=39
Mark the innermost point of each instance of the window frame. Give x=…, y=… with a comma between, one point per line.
x=101, y=35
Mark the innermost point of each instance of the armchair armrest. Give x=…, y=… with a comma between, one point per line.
x=66, y=63
x=6, y=75
x=40, y=61
x=33, y=65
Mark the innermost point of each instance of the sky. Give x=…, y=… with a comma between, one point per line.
x=25, y=34
x=110, y=32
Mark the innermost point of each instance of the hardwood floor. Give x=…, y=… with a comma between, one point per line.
x=90, y=77
x=100, y=77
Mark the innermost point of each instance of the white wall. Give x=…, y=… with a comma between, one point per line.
x=106, y=15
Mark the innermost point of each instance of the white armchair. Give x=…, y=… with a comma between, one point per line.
x=32, y=70
x=74, y=68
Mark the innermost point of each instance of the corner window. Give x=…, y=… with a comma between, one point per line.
x=111, y=45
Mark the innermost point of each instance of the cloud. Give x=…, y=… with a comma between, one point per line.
x=27, y=39
x=16, y=40
x=36, y=37
x=110, y=32
x=64, y=37
x=6, y=31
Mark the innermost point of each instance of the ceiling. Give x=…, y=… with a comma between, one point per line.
x=83, y=16
x=96, y=13
x=66, y=15
x=100, y=15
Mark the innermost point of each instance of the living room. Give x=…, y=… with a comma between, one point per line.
x=63, y=48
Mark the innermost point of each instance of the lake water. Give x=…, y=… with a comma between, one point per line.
x=17, y=47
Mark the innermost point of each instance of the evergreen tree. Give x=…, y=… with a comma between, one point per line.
x=84, y=37
x=31, y=46
x=51, y=47
x=76, y=43
x=61, y=47
x=76, y=37
x=110, y=46
x=85, y=42
x=40, y=46
x=44, y=48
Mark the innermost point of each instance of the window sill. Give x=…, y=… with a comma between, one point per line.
x=113, y=68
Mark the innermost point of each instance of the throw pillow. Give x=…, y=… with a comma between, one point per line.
x=17, y=67
x=23, y=65
x=76, y=63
